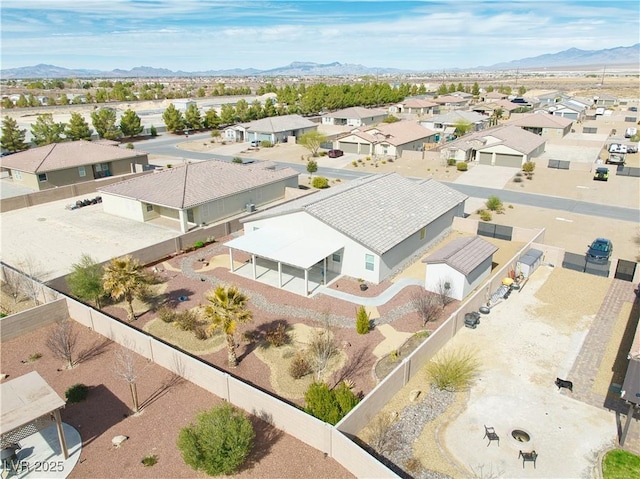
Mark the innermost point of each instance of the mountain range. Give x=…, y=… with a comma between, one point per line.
x=572, y=57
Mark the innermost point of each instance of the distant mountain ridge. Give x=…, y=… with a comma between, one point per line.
x=566, y=58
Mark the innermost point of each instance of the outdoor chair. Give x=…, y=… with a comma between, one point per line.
x=490, y=433
x=528, y=456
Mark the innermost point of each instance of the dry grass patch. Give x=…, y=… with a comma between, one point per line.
x=156, y=295
x=185, y=339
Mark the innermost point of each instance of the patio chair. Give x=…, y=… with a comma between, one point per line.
x=528, y=456
x=490, y=433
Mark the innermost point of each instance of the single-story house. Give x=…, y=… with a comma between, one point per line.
x=566, y=109
x=604, y=99
x=543, y=124
x=198, y=193
x=548, y=97
x=446, y=123
x=183, y=104
x=367, y=228
x=493, y=95
x=505, y=145
x=459, y=267
x=354, y=116
x=489, y=108
x=387, y=139
x=451, y=101
x=416, y=106
x=276, y=129
x=67, y=163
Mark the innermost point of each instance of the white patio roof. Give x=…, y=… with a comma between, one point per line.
x=286, y=246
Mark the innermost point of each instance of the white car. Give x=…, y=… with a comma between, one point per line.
x=617, y=148
x=630, y=132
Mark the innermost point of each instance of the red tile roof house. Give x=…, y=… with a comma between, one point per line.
x=198, y=193
x=61, y=164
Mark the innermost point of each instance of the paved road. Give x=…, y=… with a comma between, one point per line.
x=166, y=145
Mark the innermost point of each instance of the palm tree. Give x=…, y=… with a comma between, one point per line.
x=125, y=277
x=227, y=309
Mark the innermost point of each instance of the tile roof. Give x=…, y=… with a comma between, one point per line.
x=512, y=136
x=197, y=183
x=441, y=100
x=356, y=112
x=277, y=124
x=418, y=103
x=463, y=254
x=399, y=133
x=69, y=154
x=378, y=211
x=455, y=116
x=541, y=120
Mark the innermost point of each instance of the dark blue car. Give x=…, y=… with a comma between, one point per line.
x=600, y=251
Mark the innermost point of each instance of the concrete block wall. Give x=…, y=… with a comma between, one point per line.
x=18, y=324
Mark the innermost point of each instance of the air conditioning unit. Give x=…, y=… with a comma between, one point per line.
x=250, y=207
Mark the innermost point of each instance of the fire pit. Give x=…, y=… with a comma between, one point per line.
x=520, y=435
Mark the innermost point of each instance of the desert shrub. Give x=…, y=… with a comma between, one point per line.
x=368, y=158
x=236, y=159
x=218, y=442
x=517, y=179
x=451, y=162
x=320, y=182
x=462, y=166
x=519, y=173
x=494, y=204
x=278, y=335
x=453, y=370
x=329, y=405
x=153, y=131
x=362, y=320
x=34, y=357
x=299, y=366
x=384, y=438
x=528, y=166
x=266, y=144
x=148, y=461
x=485, y=215
x=412, y=465
x=200, y=332
x=76, y=393
x=169, y=165
x=187, y=320
x=167, y=314
x=354, y=163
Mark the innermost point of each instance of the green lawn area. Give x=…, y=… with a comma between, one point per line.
x=619, y=464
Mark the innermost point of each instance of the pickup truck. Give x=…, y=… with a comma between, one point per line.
x=616, y=158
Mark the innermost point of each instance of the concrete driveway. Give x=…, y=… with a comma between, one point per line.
x=487, y=176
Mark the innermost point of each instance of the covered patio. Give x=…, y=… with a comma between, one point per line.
x=286, y=259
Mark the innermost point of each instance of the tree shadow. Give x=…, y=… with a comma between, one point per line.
x=173, y=298
x=355, y=368
x=97, y=348
x=267, y=435
x=258, y=336
x=172, y=381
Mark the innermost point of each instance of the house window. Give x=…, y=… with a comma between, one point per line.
x=335, y=257
x=368, y=262
x=42, y=177
x=81, y=171
x=17, y=175
x=149, y=207
x=423, y=233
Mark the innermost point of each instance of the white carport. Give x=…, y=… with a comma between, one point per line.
x=286, y=248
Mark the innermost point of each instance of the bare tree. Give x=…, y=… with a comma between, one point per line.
x=62, y=341
x=322, y=347
x=444, y=290
x=125, y=368
x=384, y=437
x=33, y=272
x=11, y=282
x=427, y=305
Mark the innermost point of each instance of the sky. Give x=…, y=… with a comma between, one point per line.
x=200, y=35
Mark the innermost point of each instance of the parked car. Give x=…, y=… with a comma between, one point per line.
x=255, y=144
x=600, y=251
x=335, y=153
x=630, y=132
x=632, y=148
x=601, y=174
x=616, y=158
x=633, y=108
x=617, y=148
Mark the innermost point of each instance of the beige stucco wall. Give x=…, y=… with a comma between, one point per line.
x=124, y=207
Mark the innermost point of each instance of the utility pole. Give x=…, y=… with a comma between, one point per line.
x=603, y=70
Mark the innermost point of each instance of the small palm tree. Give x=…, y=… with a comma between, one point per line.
x=227, y=309
x=125, y=277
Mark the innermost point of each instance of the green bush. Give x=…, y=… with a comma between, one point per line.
x=130, y=146
x=329, y=405
x=494, y=204
x=149, y=460
x=619, y=464
x=153, y=131
x=354, y=163
x=299, y=366
x=462, y=166
x=453, y=370
x=266, y=144
x=451, y=162
x=218, y=442
x=76, y=393
x=320, y=182
x=517, y=179
x=362, y=320
x=485, y=215
x=236, y=159
x=198, y=244
x=528, y=167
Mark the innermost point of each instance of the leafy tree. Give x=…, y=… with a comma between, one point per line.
x=104, y=121
x=22, y=101
x=269, y=108
x=78, y=128
x=329, y=405
x=192, y=118
x=494, y=203
x=312, y=140
x=173, y=119
x=211, y=119
x=219, y=442
x=125, y=278
x=64, y=100
x=475, y=90
x=153, y=131
x=242, y=111
x=312, y=167
x=7, y=103
x=497, y=114
x=85, y=280
x=12, y=138
x=463, y=127
x=521, y=90
x=227, y=308
x=227, y=114
x=255, y=110
x=320, y=182
x=362, y=320
x=45, y=131
x=391, y=119
x=130, y=124
x=460, y=87
x=452, y=88
x=489, y=89
x=442, y=89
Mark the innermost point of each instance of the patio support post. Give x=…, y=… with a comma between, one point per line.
x=324, y=270
x=306, y=282
x=279, y=274
x=61, y=438
x=184, y=225
x=253, y=263
x=231, y=259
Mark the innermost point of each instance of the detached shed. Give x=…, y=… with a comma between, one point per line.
x=529, y=262
x=461, y=265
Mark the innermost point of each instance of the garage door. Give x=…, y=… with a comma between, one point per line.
x=508, y=160
x=365, y=149
x=348, y=147
x=484, y=158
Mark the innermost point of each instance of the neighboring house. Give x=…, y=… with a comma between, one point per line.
x=446, y=123
x=494, y=95
x=566, y=109
x=451, y=102
x=548, y=97
x=366, y=228
x=544, y=124
x=198, y=193
x=61, y=164
x=526, y=102
x=416, y=106
x=387, y=139
x=500, y=146
x=278, y=129
x=459, y=267
x=355, y=116
x=603, y=99
x=489, y=108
